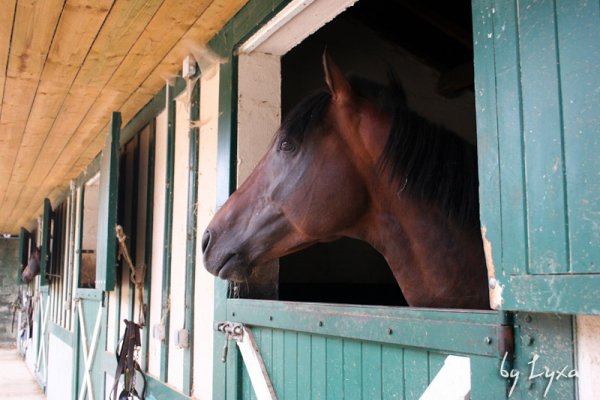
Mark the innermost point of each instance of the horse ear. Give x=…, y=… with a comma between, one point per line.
x=335, y=79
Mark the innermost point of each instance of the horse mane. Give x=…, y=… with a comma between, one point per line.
x=425, y=160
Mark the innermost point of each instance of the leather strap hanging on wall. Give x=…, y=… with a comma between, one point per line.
x=137, y=275
x=127, y=364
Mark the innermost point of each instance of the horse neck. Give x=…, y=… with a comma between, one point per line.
x=436, y=262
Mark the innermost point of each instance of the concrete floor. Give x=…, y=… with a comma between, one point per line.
x=16, y=381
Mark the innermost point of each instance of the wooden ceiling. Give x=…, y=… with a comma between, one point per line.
x=66, y=65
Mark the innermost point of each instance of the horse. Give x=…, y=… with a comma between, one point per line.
x=354, y=161
x=33, y=266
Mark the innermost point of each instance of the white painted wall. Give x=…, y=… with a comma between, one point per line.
x=178, y=242
x=157, y=240
x=207, y=199
x=60, y=361
x=259, y=108
x=588, y=356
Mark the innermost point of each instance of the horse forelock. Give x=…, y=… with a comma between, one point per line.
x=431, y=163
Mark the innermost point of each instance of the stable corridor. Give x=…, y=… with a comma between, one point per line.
x=16, y=381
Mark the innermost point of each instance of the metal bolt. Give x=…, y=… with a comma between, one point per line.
x=320, y=323
x=488, y=340
x=492, y=283
x=528, y=319
x=233, y=314
x=390, y=331
x=270, y=318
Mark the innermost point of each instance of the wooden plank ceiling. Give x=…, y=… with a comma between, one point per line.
x=65, y=66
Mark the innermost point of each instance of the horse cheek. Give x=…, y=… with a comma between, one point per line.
x=335, y=203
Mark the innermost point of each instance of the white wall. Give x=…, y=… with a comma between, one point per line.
x=178, y=242
x=158, y=228
x=588, y=356
x=259, y=108
x=207, y=198
x=60, y=363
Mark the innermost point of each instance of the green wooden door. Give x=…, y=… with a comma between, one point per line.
x=45, y=245
x=536, y=84
x=106, y=249
x=24, y=250
x=320, y=351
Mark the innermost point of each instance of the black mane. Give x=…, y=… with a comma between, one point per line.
x=426, y=161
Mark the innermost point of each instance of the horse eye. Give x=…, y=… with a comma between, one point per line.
x=287, y=146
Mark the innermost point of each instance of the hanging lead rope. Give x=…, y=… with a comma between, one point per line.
x=136, y=274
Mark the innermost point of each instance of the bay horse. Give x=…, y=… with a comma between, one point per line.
x=354, y=161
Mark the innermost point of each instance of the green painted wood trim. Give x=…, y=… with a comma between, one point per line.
x=61, y=333
x=565, y=294
x=224, y=188
x=190, y=248
x=106, y=248
x=24, y=237
x=451, y=331
x=45, y=261
x=157, y=390
x=167, y=245
x=70, y=254
x=133, y=231
x=149, y=237
x=79, y=239
x=45, y=245
x=551, y=338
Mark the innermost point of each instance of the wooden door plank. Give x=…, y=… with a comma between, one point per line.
x=416, y=369
x=510, y=139
x=317, y=357
x=578, y=38
x=372, y=370
x=352, y=367
x=292, y=368
x=392, y=370
x=335, y=368
x=302, y=368
x=542, y=124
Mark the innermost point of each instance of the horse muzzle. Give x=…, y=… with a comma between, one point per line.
x=227, y=265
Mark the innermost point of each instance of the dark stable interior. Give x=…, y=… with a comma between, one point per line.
x=429, y=46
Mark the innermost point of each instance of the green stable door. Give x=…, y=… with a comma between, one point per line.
x=536, y=90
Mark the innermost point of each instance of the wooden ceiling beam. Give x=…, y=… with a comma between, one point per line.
x=110, y=80
x=32, y=34
x=71, y=43
x=211, y=19
x=119, y=32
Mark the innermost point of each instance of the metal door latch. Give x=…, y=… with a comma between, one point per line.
x=232, y=331
x=246, y=343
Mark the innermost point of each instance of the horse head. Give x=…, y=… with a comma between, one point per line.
x=308, y=187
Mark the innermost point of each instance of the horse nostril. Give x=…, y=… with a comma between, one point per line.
x=205, y=240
